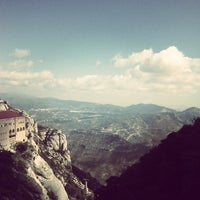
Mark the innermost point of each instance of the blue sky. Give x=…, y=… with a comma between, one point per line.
x=121, y=52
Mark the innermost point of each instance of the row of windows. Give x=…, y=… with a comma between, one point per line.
x=6, y=124
x=18, y=129
x=12, y=131
x=10, y=124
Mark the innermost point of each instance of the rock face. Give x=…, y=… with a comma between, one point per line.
x=26, y=175
x=39, y=168
x=47, y=178
x=3, y=105
x=53, y=148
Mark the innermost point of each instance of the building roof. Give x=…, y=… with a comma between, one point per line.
x=9, y=114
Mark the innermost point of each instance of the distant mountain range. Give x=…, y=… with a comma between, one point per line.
x=102, y=136
x=147, y=109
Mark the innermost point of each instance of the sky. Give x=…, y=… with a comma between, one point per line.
x=119, y=52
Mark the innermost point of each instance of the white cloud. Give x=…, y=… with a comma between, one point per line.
x=167, y=61
x=166, y=77
x=21, y=64
x=164, y=74
x=21, y=53
x=19, y=76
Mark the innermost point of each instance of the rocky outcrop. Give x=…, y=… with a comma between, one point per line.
x=28, y=176
x=48, y=180
x=53, y=148
x=3, y=105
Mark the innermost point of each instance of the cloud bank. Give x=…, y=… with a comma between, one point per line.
x=21, y=63
x=166, y=62
x=21, y=53
x=166, y=77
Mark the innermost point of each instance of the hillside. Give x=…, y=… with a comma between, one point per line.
x=103, y=154
x=169, y=171
x=147, y=109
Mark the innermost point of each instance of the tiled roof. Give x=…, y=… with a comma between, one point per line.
x=9, y=114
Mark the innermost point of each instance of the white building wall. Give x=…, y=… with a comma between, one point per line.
x=20, y=129
x=7, y=132
x=12, y=130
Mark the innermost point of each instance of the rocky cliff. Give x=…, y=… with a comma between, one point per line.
x=39, y=168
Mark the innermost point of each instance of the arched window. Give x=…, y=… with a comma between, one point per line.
x=17, y=129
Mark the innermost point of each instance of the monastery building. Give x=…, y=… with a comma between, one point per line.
x=12, y=128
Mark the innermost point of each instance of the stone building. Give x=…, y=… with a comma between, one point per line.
x=12, y=128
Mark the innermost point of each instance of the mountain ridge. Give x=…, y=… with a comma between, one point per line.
x=11, y=97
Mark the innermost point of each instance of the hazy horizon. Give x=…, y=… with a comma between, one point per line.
x=6, y=96
x=110, y=52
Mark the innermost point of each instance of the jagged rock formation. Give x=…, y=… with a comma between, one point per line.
x=26, y=175
x=53, y=148
x=39, y=168
x=169, y=171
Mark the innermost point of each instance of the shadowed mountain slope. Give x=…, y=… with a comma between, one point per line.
x=169, y=171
